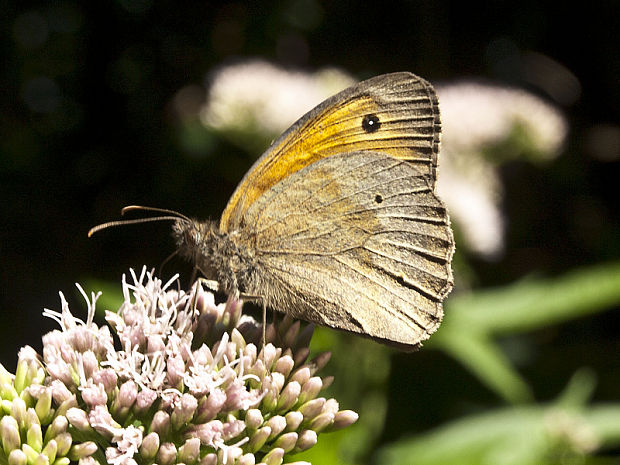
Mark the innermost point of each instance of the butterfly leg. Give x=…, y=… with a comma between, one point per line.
x=264, y=324
x=211, y=285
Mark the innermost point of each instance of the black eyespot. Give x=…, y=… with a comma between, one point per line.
x=371, y=123
x=378, y=198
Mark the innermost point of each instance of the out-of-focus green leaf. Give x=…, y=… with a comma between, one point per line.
x=533, y=304
x=472, y=440
x=473, y=320
x=486, y=360
x=526, y=435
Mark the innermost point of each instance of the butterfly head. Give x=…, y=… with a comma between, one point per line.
x=194, y=238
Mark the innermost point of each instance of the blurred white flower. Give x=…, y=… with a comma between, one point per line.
x=483, y=125
x=475, y=116
x=258, y=97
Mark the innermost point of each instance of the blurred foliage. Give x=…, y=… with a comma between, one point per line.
x=99, y=109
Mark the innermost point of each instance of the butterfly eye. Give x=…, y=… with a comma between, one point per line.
x=371, y=123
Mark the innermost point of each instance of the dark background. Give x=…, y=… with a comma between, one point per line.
x=87, y=126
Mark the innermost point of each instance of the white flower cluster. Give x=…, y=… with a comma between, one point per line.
x=182, y=384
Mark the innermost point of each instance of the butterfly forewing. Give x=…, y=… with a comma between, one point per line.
x=396, y=114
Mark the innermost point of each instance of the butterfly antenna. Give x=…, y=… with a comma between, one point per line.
x=111, y=224
x=129, y=208
x=170, y=215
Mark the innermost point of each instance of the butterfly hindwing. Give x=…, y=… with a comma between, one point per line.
x=356, y=241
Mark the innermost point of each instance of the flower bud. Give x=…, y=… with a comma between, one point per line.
x=253, y=419
x=108, y=378
x=144, y=400
x=27, y=367
x=291, y=334
x=176, y=369
x=303, y=340
x=18, y=411
x=94, y=394
x=307, y=439
x=160, y=424
x=5, y=376
x=321, y=421
x=246, y=459
x=270, y=335
x=92, y=461
x=277, y=381
x=270, y=400
x=327, y=381
x=17, y=457
x=289, y=396
x=237, y=338
x=312, y=408
x=127, y=394
x=60, y=392
x=190, y=451
x=66, y=405
x=78, y=419
x=331, y=406
x=31, y=454
x=31, y=418
x=149, y=446
x=155, y=344
x=293, y=420
x=207, y=432
x=274, y=457
x=277, y=424
x=64, y=441
x=6, y=406
x=210, y=406
x=284, y=365
x=268, y=355
x=184, y=411
x=310, y=389
x=319, y=362
x=209, y=459
x=84, y=449
x=9, y=433
x=59, y=425
x=301, y=355
x=90, y=363
x=342, y=419
x=259, y=438
x=34, y=437
x=301, y=375
x=7, y=394
x=232, y=428
x=50, y=450
x=167, y=454
x=43, y=407
x=287, y=441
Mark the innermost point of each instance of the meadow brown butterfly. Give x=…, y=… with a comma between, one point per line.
x=338, y=223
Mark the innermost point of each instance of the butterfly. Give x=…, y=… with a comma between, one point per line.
x=338, y=223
